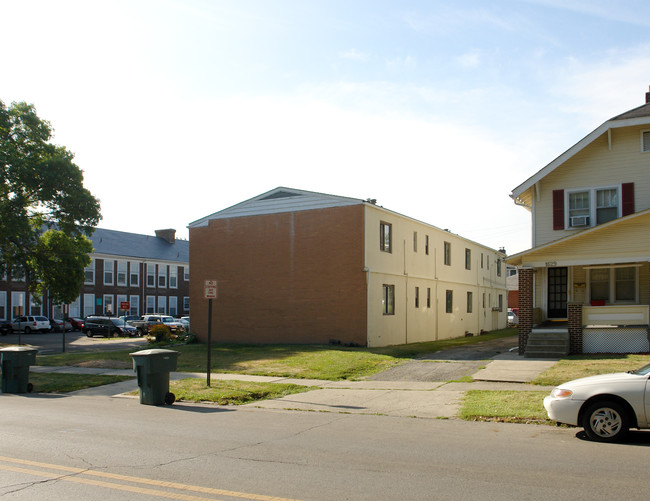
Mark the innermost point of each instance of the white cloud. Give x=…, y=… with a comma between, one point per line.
x=354, y=54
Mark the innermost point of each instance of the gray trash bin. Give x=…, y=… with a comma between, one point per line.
x=153, y=368
x=15, y=362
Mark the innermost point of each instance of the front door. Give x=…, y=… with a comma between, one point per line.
x=558, y=279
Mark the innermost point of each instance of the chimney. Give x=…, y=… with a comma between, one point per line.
x=647, y=97
x=168, y=234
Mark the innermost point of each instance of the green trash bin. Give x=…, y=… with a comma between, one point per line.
x=153, y=368
x=15, y=362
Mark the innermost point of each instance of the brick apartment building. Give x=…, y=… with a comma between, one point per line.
x=294, y=266
x=151, y=273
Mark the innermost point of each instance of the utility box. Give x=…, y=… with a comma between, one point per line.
x=15, y=362
x=152, y=368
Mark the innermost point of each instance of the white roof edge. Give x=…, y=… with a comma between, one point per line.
x=576, y=148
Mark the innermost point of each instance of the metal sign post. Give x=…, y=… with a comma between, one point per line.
x=210, y=293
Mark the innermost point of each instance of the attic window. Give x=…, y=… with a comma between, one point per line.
x=280, y=194
x=645, y=141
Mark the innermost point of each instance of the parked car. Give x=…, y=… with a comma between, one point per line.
x=60, y=325
x=148, y=321
x=186, y=323
x=606, y=406
x=28, y=324
x=129, y=318
x=77, y=323
x=108, y=326
x=513, y=319
x=5, y=328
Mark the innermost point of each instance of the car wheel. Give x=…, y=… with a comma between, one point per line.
x=605, y=421
x=28, y=330
x=89, y=333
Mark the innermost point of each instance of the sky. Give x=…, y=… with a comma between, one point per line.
x=437, y=109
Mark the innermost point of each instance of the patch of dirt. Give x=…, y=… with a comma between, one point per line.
x=105, y=364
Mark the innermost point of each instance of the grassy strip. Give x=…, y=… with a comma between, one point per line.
x=231, y=392
x=65, y=383
x=299, y=361
x=579, y=366
x=505, y=406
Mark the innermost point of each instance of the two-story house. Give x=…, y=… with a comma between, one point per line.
x=586, y=276
x=294, y=266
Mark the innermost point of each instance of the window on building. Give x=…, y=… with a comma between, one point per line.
x=415, y=241
x=108, y=272
x=109, y=305
x=388, y=300
x=385, y=237
x=162, y=304
x=645, y=141
x=173, y=305
x=89, y=272
x=186, y=273
x=500, y=302
x=18, y=274
x=447, y=253
x=151, y=275
x=3, y=305
x=613, y=285
x=151, y=304
x=484, y=300
x=470, y=302
x=74, y=309
x=468, y=259
x=173, y=277
x=426, y=244
x=449, y=301
x=593, y=206
x=35, y=306
x=498, y=267
x=428, y=297
x=17, y=304
x=481, y=260
x=89, y=304
x=121, y=272
x=121, y=298
x=134, y=302
x=417, y=297
x=186, y=304
x=134, y=273
x=162, y=275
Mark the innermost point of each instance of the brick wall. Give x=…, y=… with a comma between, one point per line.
x=282, y=278
x=575, y=327
x=525, y=306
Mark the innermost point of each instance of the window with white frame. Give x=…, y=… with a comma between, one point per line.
x=186, y=303
x=109, y=305
x=162, y=275
x=186, y=273
x=18, y=274
x=89, y=304
x=134, y=273
x=35, y=306
x=134, y=301
x=109, y=266
x=121, y=298
x=3, y=305
x=74, y=309
x=614, y=285
x=17, y=304
x=89, y=272
x=173, y=305
x=645, y=141
x=173, y=277
x=121, y=272
x=151, y=304
x=151, y=275
x=162, y=304
x=593, y=206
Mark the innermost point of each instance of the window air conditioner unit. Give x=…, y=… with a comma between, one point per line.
x=580, y=221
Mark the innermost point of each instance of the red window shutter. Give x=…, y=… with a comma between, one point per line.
x=558, y=209
x=627, y=192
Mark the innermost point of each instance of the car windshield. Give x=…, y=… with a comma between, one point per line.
x=643, y=371
x=119, y=322
x=167, y=319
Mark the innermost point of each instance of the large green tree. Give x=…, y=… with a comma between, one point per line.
x=46, y=214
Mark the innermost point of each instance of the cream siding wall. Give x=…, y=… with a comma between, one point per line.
x=407, y=268
x=595, y=166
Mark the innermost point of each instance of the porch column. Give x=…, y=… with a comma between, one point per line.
x=525, y=306
x=575, y=327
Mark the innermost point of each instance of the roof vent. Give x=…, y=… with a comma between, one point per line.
x=169, y=235
x=647, y=97
x=280, y=194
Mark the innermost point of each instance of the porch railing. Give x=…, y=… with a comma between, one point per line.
x=619, y=315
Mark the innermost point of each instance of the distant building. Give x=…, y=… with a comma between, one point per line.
x=151, y=273
x=295, y=266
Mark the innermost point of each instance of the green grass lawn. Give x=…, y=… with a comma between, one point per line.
x=65, y=383
x=505, y=406
x=578, y=366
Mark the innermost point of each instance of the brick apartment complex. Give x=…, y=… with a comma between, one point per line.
x=300, y=267
x=151, y=273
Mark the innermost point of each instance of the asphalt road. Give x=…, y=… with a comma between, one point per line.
x=53, y=342
x=62, y=448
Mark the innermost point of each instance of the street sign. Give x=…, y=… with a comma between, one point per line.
x=125, y=305
x=210, y=289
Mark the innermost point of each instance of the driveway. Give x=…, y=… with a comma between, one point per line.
x=448, y=365
x=51, y=343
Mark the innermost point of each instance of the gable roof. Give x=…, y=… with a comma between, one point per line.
x=135, y=245
x=633, y=117
x=279, y=200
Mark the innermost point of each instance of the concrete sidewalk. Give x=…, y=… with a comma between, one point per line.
x=506, y=371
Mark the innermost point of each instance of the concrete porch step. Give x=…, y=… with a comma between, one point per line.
x=547, y=343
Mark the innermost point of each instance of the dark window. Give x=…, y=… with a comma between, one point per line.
x=468, y=259
x=469, y=302
x=447, y=254
x=449, y=301
x=417, y=297
x=388, y=299
x=385, y=237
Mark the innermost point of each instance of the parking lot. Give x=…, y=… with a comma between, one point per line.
x=74, y=342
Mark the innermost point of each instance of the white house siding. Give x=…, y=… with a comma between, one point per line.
x=595, y=166
x=406, y=269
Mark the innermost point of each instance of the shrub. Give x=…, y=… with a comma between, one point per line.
x=160, y=333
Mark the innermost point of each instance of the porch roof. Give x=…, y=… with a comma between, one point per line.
x=623, y=240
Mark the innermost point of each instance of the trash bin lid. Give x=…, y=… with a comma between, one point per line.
x=154, y=352
x=25, y=349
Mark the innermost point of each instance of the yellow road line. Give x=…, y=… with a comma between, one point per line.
x=128, y=478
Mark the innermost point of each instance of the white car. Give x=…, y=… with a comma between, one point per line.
x=606, y=406
x=29, y=324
